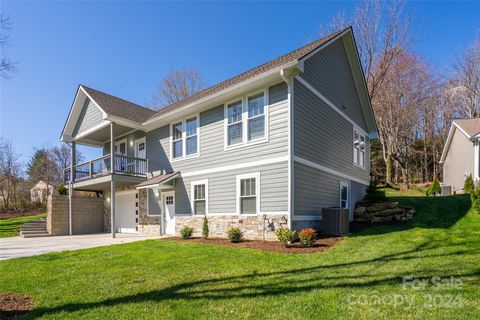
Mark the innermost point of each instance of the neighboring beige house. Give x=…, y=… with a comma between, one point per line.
x=460, y=157
x=39, y=192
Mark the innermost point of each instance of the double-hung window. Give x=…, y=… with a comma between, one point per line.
x=177, y=129
x=235, y=123
x=358, y=148
x=246, y=120
x=185, y=138
x=199, y=197
x=256, y=117
x=247, y=190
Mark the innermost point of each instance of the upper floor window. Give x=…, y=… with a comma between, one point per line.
x=185, y=138
x=358, y=148
x=246, y=120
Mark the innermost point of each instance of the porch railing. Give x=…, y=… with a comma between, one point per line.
x=102, y=166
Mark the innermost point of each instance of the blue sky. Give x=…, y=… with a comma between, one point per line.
x=125, y=48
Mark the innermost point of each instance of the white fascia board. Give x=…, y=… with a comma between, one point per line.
x=125, y=122
x=154, y=122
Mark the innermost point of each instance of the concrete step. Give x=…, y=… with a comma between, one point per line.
x=33, y=231
x=36, y=235
x=30, y=224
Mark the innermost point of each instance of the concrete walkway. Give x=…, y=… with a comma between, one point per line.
x=16, y=247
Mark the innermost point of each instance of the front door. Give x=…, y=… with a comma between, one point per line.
x=169, y=212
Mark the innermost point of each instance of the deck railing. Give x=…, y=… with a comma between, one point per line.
x=102, y=166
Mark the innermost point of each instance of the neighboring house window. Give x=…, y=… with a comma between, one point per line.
x=235, y=124
x=185, y=138
x=248, y=193
x=177, y=140
x=192, y=137
x=344, y=195
x=256, y=117
x=246, y=120
x=358, y=148
x=200, y=197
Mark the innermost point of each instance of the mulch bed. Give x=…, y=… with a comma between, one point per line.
x=13, y=304
x=320, y=245
x=13, y=214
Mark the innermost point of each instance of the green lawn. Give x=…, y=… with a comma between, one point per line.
x=160, y=279
x=11, y=227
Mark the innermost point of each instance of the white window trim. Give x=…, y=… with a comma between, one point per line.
x=192, y=193
x=344, y=184
x=361, y=133
x=148, y=203
x=245, y=142
x=255, y=175
x=184, y=139
x=135, y=145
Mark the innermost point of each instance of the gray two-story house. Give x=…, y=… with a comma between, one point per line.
x=268, y=148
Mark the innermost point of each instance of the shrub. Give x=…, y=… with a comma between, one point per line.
x=475, y=197
x=307, y=236
x=62, y=190
x=468, y=186
x=285, y=236
x=235, y=235
x=434, y=189
x=186, y=232
x=205, y=230
x=373, y=194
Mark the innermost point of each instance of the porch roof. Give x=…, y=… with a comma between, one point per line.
x=158, y=180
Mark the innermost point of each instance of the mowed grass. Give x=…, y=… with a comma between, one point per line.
x=11, y=227
x=361, y=278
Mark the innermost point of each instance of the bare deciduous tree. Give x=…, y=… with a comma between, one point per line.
x=6, y=65
x=10, y=175
x=178, y=85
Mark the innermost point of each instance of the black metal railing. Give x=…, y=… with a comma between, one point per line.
x=102, y=166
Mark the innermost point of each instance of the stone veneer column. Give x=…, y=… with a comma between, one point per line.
x=148, y=226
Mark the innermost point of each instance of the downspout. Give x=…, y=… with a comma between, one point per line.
x=288, y=78
x=112, y=180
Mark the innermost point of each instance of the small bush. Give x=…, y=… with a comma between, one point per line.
x=434, y=189
x=205, y=230
x=373, y=194
x=285, y=236
x=307, y=236
x=186, y=232
x=468, y=186
x=62, y=190
x=475, y=197
x=235, y=235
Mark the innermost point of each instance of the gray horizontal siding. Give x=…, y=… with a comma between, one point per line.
x=211, y=146
x=90, y=116
x=322, y=136
x=222, y=189
x=329, y=72
x=314, y=190
x=459, y=161
x=277, y=93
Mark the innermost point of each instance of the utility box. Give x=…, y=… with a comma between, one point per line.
x=335, y=221
x=446, y=190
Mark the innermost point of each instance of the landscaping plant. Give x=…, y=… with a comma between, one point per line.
x=373, y=194
x=468, y=186
x=307, y=236
x=235, y=235
x=205, y=230
x=186, y=232
x=285, y=236
x=62, y=190
x=434, y=189
x=475, y=197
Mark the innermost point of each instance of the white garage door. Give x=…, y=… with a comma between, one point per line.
x=125, y=217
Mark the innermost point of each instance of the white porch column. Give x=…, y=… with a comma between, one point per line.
x=73, y=153
x=112, y=181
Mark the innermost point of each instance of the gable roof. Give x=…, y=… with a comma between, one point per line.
x=270, y=65
x=470, y=128
x=119, y=107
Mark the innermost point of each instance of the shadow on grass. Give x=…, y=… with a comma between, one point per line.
x=430, y=212
x=271, y=284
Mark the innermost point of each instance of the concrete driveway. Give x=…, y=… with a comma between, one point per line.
x=17, y=247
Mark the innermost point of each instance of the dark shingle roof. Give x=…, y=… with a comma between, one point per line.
x=119, y=107
x=270, y=65
x=470, y=126
x=131, y=111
